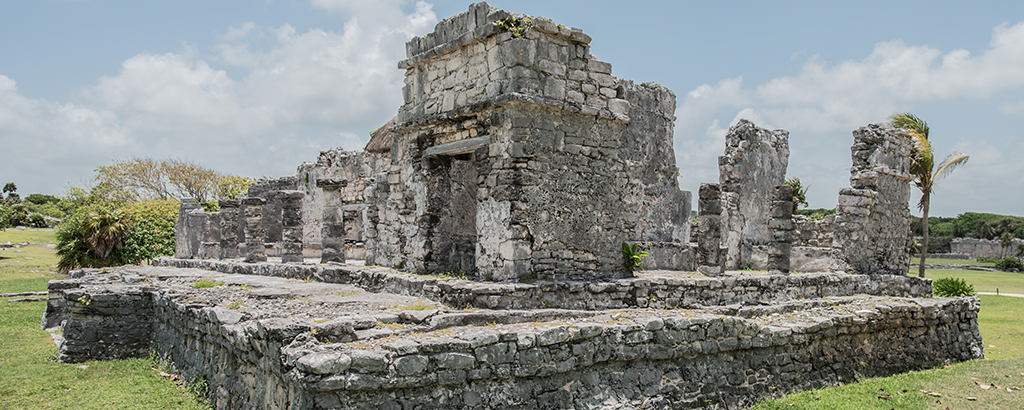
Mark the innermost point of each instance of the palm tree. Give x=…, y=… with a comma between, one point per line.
x=103, y=231
x=924, y=169
x=1006, y=241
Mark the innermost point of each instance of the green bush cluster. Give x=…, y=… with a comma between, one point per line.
x=951, y=287
x=150, y=234
x=816, y=214
x=1010, y=264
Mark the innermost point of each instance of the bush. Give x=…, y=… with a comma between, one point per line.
x=988, y=259
x=952, y=287
x=1010, y=264
x=151, y=234
x=37, y=221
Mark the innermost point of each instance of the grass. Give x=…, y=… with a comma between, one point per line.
x=206, y=283
x=29, y=376
x=1003, y=334
x=914, y=262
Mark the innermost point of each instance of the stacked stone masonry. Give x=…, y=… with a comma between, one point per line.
x=713, y=358
x=872, y=222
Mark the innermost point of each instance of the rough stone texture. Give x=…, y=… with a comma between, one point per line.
x=332, y=240
x=754, y=163
x=359, y=169
x=519, y=157
x=186, y=243
x=982, y=247
x=781, y=228
x=229, y=228
x=872, y=225
x=813, y=233
x=255, y=230
x=717, y=358
x=291, y=223
x=710, y=254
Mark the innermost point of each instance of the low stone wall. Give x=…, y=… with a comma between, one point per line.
x=982, y=247
x=678, y=358
x=665, y=292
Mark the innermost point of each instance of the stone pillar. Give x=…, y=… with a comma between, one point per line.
x=332, y=245
x=872, y=228
x=229, y=228
x=255, y=232
x=184, y=248
x=209, y=248
x=781, y=227
x=709, y=230
x=291, y=225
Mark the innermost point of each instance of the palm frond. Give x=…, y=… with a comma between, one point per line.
x=951, y=162
x=910, y=122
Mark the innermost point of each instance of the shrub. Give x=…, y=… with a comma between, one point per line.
x=952, y=287
x=151, y=234
x=37, y=220
x=632, y=256
x=1010, y=264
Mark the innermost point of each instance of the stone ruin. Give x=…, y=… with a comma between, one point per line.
x=471, y=256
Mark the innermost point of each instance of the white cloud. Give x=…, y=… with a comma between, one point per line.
x=292, y=93
x=822, y=103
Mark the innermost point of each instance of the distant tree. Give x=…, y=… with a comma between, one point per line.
x=40, y=199
x=799, y=193
x=924, y=169
x=11, y=191
x=1020, y=250
x=1006, y=241
x=139, y=179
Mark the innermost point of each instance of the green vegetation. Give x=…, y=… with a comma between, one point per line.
x=952, y=287
x=799, y=193
x=631, y=256
x=1010, y=264
x=817, y=213
x=515, y=26
x=924, y=169
x=206, y=283
x=29, y=376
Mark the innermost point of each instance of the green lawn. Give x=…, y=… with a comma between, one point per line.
x=29, y=376
x=1003, y=333
x=915, y=261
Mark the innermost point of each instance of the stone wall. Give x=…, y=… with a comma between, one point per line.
x=659, y=292
x=754, y=164
x=563, y=174
x=982, y=247
x=872, y=223
x=629, y=358
x=812, y=232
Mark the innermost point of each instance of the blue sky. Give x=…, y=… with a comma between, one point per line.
x=256, y=87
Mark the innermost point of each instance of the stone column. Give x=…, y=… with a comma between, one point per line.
x=183, y=246
x=209, y=248
x=781, y=227
x=709, y=230
x=255, y=233
x=333, y=241
x=291, y=225
x=229, y=228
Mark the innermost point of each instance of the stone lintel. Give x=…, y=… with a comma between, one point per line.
x=459, y=147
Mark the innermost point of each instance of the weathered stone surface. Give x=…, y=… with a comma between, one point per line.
x=754, y=163
x=872, y=222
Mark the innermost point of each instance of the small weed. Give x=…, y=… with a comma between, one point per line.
x=206, y=283
x=392, y=326
x=529, y=280
x=414, y=306
x=347, y=293
x=632, y=255
x=235, y=304
x=515, y=26
x=85, y=300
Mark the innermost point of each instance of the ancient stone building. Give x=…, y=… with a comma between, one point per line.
x=518, y=154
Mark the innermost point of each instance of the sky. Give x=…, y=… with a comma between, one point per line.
x=254, y=88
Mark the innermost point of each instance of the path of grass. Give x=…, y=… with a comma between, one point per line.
x=29, y=376
x=1009, y=282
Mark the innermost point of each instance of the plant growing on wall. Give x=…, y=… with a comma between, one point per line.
x=924, y=169
x=799, y=192
x=515, y=26
x=632, y=254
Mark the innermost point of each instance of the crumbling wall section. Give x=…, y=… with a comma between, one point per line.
x=754, y=164
x=991, y=248
x=663, y=209
x=872, y=222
